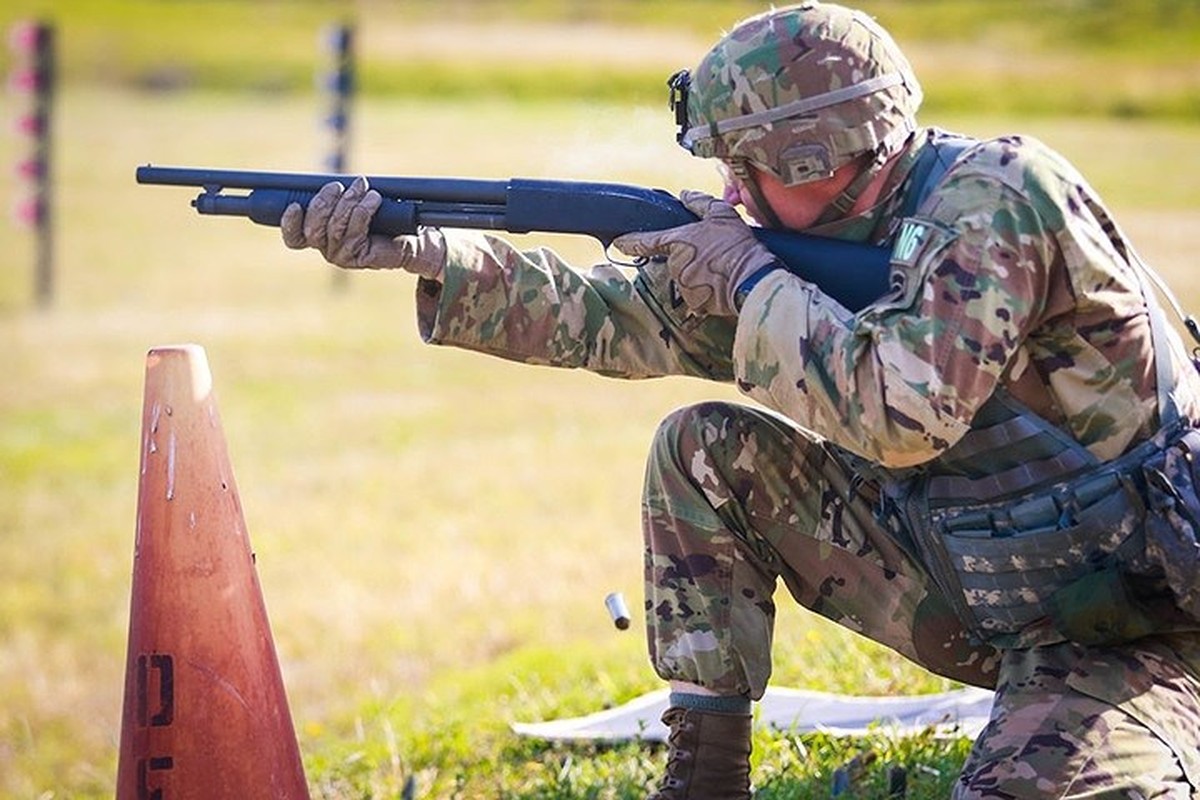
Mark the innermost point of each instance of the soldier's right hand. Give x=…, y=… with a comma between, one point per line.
x=337, y=222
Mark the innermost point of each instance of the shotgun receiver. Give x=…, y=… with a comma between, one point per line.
x=853, y=274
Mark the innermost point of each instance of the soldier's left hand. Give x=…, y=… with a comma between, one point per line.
x=708, y=259
x=337, y=222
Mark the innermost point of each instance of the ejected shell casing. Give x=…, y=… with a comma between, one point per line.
x=617, y=609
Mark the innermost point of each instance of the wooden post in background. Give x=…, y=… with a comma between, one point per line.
x=338, y=84
x=33, y=78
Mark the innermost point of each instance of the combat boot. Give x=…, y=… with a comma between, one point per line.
x=709, y=757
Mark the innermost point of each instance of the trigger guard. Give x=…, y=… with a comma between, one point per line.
x=637, y=263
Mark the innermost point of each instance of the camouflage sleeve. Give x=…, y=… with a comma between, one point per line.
x=900, y=381
x=532, y=307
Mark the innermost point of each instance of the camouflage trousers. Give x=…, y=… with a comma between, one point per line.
x=737, y=499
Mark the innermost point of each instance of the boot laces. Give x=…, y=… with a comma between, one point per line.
x=675, y=719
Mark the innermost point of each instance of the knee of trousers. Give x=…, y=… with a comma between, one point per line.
x=688, y=428
x=678, y=464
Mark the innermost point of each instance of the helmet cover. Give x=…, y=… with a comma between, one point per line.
x=798, y=91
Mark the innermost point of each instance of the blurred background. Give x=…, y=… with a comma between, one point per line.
x=435, y=532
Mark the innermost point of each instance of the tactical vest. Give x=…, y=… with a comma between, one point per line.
x=1024, y=530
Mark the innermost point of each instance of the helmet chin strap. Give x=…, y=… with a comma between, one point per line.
x=840, y=206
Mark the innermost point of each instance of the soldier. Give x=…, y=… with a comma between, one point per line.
x=988, y=470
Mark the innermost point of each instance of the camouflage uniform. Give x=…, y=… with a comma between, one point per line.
x=1020, y=287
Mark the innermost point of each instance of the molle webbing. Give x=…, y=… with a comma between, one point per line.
x=1007, y=451
x=1019, y=523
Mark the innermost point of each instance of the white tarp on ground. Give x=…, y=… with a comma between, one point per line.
x=963, y=711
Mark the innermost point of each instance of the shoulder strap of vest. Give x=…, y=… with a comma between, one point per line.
x=937, y=156
x=1165, y=376
x=1168, y=409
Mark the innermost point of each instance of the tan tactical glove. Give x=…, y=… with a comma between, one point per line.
x=708, y=259
x=336, y=223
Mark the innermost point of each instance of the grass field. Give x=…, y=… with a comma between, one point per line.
x=1022, y=56
x=435, y=531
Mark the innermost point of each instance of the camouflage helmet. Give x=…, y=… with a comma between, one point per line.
x=798, y=91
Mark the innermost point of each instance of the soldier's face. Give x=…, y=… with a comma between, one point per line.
x=797, y=207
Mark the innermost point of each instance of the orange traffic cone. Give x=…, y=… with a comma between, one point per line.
x=205, y=712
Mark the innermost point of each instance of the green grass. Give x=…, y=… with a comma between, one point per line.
x=435, y=531
x=973, y=55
